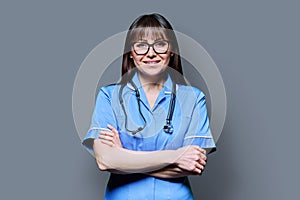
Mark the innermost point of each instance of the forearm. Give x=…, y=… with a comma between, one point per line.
x=171, y=171
x=127, y=161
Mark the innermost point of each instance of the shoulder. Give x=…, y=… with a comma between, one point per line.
x=108, y=92
x=109, y=89
x=190, y=92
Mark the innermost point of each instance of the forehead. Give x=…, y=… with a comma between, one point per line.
x=149, y=33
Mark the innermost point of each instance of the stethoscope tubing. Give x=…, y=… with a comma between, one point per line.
x=168, y=128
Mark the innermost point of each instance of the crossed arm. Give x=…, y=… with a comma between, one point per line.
x=111, y=156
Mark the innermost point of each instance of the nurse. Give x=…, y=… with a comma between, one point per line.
x=150, y=130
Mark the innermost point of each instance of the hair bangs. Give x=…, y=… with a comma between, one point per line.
x=153, y=33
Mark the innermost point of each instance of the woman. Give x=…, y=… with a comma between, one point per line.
x=150, y=130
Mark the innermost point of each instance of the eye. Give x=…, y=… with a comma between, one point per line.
x=161, y=44
x=140, y=45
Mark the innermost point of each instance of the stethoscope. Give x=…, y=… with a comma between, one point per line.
x=168, y=128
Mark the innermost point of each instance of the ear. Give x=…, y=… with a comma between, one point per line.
x=172, y=54
x=130, y=56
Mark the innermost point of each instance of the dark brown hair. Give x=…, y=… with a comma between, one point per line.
x=156, y=25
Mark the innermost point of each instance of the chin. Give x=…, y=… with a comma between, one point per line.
x=153, y=72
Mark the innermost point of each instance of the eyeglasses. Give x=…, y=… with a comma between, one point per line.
x=159, y=47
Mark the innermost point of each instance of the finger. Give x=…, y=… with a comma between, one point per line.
x=199, y=166
x=112, y=129
x=105, y=137
x=202, y=170
x=107, y=143
x=192, y=147
x=202, y=162
x=110, y=134
x=203, y=151
x=101, y=133
x=107, y=133
x=198, y=171
x=203, y=157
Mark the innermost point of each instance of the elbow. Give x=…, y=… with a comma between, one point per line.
x=101, y=165
x=103, y=155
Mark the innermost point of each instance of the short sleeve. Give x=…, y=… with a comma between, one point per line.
x=198, y=132
x=102, y=116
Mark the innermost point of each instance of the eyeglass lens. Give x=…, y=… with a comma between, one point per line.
x=159, y=47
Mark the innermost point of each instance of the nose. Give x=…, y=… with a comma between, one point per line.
x=151, y=53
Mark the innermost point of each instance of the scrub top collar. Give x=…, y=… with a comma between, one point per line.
x=167, y=88
x=165, y=91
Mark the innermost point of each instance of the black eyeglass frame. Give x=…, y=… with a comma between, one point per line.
x=150, y=45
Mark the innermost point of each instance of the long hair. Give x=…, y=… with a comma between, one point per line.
x=156, y=25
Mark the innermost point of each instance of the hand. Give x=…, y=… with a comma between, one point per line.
x=110, y=138
x=191, y=158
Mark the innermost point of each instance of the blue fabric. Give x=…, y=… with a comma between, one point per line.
x=191, y=127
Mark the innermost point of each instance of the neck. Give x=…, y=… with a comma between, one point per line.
x=150, y=83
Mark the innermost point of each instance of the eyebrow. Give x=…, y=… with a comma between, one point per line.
x=143, y=40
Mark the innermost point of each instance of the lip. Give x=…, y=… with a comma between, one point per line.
x=151, y=61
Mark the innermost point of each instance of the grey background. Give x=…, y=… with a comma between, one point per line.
x=255, y=44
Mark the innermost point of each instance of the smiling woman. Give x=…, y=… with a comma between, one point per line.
x=151, y=129
x=151, y=60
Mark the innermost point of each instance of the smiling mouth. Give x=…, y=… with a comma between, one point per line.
x=152, y=62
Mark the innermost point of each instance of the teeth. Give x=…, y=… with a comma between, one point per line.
x=151, y=62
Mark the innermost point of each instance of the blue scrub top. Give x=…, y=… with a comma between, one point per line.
x=191, y=127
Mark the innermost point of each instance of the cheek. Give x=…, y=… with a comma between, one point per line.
x=136, y=59
x=167, y=60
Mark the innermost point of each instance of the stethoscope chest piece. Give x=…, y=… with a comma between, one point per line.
x=168, y=128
